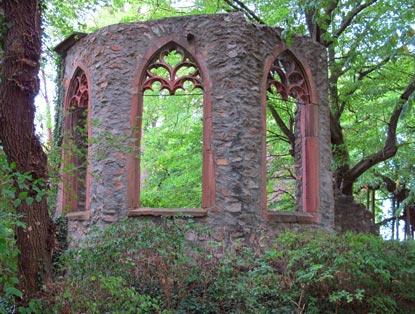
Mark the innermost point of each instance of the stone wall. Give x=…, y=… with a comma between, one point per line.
x=352, y=216
x=234, y=56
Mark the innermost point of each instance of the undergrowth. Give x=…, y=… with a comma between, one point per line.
x=142, y=266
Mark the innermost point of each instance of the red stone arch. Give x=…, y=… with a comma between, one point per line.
x=295, y=80
x=143, y=81
x=76, y=184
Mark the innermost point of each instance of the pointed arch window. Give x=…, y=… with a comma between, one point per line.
x=75, y=188
x=170, y=122
x=292, y=151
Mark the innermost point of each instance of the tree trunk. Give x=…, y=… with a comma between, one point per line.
x=394, y=217
x=18, y=87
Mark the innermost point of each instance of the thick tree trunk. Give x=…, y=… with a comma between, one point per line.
x=18, y=87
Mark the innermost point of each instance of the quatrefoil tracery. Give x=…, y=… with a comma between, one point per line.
x=174, y=79
x=286, y=77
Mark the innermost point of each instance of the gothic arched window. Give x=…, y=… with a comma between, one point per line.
x=291, y=159
x=75, y=145
x=170, y=124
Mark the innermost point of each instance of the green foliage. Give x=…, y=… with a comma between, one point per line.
x=8, y=222
x=152, y=267
x=8, y=260
x=347, y=273
x=171, y=146
x=171, y=155
x=168, y=266
x=127, y=268
x=62, y=18
x=281, y=178
x=123, y=11
x=16, y=188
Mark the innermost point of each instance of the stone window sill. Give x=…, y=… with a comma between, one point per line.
x=280, y=216
x=78, y=216
x=194, y=212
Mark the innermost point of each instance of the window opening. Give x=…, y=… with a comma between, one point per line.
x=76, y=144
x=171, y=132
x=286, y=95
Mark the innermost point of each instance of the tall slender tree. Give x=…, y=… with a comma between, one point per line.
x=19, y=85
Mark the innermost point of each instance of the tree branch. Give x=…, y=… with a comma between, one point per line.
x=336, y=131
x=363, y=74
x=240, y=6
x=348, y=20
x=391, y=186
x=332, y=6
x=409, y=90
x=313, y=28
x=388, y=150
x=277, y=137
x=327, y=20
x=385, y=221
x=287, y=132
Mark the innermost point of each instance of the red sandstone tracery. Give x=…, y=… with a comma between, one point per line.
x=286, y=77
x=173, y=81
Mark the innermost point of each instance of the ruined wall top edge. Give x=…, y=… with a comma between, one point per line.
x=225, y=19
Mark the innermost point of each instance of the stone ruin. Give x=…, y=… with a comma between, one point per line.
x=235, y=63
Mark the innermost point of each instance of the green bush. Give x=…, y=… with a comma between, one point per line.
x=8, y=262
x=141, y=266
x=8, y=246
x=133, y=267
x=346, y=273
x=146, y=266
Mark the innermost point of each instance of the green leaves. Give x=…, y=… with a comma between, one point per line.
x=8, y=257
x=348, y=271
x=280, y=161
x=171, y=149
x=408, y=107
x=12, y=291
x=143, y=266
